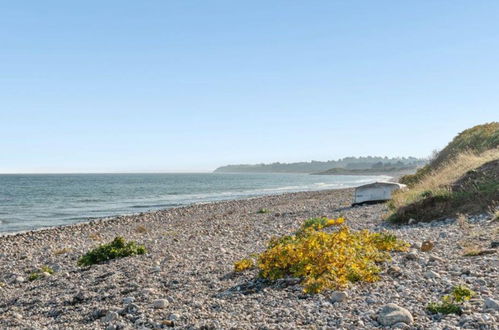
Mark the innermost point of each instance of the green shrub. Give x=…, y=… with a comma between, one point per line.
x=263, y=211
x=461, y=293
x=444, y=308
x=451, y=303
x=118, y=248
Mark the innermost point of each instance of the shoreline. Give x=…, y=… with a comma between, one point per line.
x=239, y=195
x=189, y=268
x=99, y=220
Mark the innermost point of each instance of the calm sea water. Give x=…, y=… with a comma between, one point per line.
x=33, y=201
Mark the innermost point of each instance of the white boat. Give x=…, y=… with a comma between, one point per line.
x=376, y=192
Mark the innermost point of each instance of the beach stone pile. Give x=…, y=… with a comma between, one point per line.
x=186, y=279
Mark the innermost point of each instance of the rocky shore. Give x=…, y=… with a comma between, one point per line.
x=186, y=279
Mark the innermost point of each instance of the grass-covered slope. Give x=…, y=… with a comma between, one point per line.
x=477, y=139
x=466, y=183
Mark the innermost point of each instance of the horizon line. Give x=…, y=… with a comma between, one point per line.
x=110, y=172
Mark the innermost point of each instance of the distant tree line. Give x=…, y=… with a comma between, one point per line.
x=350, y=163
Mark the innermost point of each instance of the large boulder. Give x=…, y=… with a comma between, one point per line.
x=391, y=314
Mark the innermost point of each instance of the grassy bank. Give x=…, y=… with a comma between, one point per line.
x=477, y=139
x=465, y=184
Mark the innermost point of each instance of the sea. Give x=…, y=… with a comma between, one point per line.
x=33, y=201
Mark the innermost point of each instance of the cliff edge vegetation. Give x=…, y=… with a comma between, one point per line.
x=462, y=178
x=475, y=140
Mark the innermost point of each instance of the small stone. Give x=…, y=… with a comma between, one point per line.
x=434, y=258
x=160, y=303
x=79, y=297
x=156, y=269
x=490, y=303
x=494, y=244
x=338, y=296
x=391, y=314
x=464, y=319
x=54, y=313
x=400, y=325
x=111, y=316
x=412, y=256
x=17, y=315
x=481, y=282
x=174, y=317
x=147, y=291
x=130, y=309
x=395, y=271
x=99, y=313
x=427, y=246
x=55, y=267
x=128, y=300
x=431, y=274
x=168, y=323
x=411, y=221
x=20, y=279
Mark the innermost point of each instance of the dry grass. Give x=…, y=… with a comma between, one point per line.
x=477, y=139
x=476, y=238
x=141, y=230
x=438, y=182
x=495, y=216
x=477, y=252
x=462, y=222
x=62, y=251
x=95, y=237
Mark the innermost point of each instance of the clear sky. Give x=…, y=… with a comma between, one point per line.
x=190, y=85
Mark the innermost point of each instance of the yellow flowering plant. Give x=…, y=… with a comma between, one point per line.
x=320, y=223
x=325, y=260
x=243, y=264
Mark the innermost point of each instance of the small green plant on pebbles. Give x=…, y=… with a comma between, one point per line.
x=444, y=307
x=451, y=303
x=34, y=276
x=38, y=273
x=118, y=248
x=46, y=269
x=461, y=293
x=263, y=211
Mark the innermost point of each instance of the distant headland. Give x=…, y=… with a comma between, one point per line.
x=348, y=165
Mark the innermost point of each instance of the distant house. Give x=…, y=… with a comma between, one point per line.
x=375, y=192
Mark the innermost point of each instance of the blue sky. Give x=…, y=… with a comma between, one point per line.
x=99, y=86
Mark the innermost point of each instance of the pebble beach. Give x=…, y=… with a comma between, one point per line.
x=186, y=279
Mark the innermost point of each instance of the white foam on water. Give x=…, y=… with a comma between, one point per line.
x=103, y=203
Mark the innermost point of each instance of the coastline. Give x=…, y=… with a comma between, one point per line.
x=113, y=195
x=118, y=217
x=191, y=251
